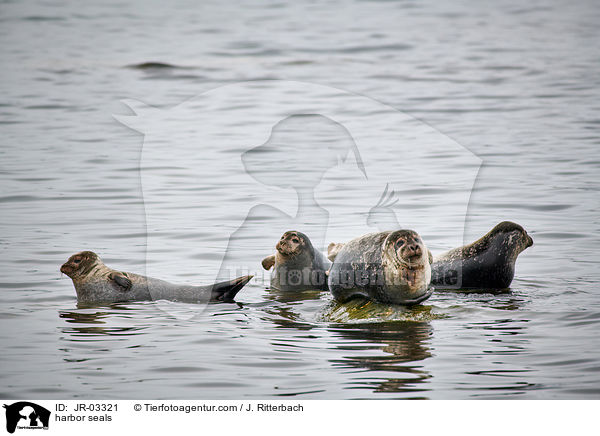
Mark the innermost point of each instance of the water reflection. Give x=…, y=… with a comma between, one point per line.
x=89, y=320
x=290, y=309
x=390, y=348
x=500, y=300
x=507, y=304
x=292, y=296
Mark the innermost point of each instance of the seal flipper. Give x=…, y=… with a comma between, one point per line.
x=268, y=262
x=333, y=249
x=121, y=281
x=226, y=291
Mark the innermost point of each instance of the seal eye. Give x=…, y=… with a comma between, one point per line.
x=296, y=240
x=76, y=260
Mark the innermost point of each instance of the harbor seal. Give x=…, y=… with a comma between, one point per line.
x=297, y=266
x=488, y=263
x=96, y=283
x=389, y=267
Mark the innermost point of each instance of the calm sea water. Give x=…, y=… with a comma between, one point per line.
x=497, y=120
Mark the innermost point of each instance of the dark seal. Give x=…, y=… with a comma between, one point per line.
x=488, y=263
x=96, y=283
x=389, y=267
x=297, y=266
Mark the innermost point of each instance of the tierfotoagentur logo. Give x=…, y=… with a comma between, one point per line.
x=269, y=156
x=26, y=415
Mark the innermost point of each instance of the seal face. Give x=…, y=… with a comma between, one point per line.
x=96, y=283
x=297, y=266
x=79, y=265
x=488, y=263
x=389, y=267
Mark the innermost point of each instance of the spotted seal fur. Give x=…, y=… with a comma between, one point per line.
x=389, y=267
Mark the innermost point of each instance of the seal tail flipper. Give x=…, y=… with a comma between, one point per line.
x=333, y=249
x=226, y=291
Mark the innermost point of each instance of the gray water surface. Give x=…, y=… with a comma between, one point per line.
x=513, y=87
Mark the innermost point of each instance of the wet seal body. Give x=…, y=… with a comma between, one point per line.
x=96, y=283
x=297, y=266
x=488, y=263
x=389, y=267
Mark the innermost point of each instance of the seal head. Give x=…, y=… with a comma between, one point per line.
x=407, y=267
x=80, y=265
x=292, y=243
